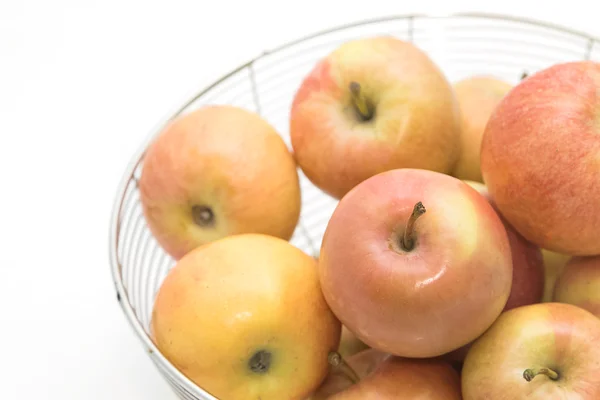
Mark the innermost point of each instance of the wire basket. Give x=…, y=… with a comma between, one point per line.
x=461, y=44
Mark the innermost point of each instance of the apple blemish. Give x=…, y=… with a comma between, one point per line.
x=203, y=216
x=260, y=362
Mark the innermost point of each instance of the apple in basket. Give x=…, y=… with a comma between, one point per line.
x=244, y=317
x=477, y=97
x=371, y=105
x=579, y=284
x=540, y=158
x=415, y=263
x=217, y=171
x=541, y=351
x=373, y=375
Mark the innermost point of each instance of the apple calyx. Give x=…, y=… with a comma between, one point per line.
x=407, y=242
x=531, y=373
x=203, y=216
x=336, y=360
x=260, y=362
x=359, y=101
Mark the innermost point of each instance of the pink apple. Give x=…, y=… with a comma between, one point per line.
x=415, y=263
x=540, y=158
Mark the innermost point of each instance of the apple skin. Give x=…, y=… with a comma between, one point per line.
x=552, y=335
x=416, y=123
x=579, y=284
x=528, y=263
x=429, y=301
x=398, y=378
x=228, y=300
x=540, y=157
x=477, y=97
x=225, y=158
x=553, y=266
x=528, y=271
x=363, y=363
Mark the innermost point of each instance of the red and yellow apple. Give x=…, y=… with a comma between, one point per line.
x=540, y=157
x=244, y=317
x=541, y=351
x=579, y=284
x=371, y=105
x=415, y=263
x=553, y=266
x=401, y=378
x=214, y=172
x=477, y=97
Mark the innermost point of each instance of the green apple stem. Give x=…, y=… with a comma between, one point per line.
x=408, y=240
x=337, y=361
x=531, y=373
x=360, y=102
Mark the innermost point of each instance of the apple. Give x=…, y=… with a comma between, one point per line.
x=244, y=317
x=371, y=105
x=579, y=284
x=350, y=344
x=214, y=172
x=415, y=263
x=477, y=97
x=553, y=266
x=400, y=378
x=348, y=371
x=536, y=352
x=540, y=157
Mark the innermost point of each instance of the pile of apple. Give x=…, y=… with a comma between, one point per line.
x=461, y=262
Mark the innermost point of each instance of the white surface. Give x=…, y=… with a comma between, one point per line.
x=81, y=83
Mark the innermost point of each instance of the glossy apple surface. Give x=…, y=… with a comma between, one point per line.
x=428, y=300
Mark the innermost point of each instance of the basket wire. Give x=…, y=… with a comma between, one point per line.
x=461, y=44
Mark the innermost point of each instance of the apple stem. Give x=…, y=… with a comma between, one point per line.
x=360, y=102
x=336, y=360
x=524, y=75
x=407, y=240
x=531, y=373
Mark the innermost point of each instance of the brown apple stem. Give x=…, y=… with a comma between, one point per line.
x=337, y=361
x=408, y=240
x=524, y=75
x=360, y=102
x=531, y=373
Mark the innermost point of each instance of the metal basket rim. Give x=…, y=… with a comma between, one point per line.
x=139, y=154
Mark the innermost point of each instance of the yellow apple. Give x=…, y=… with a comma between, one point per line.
x=579, y=284
x=244, y=318
x=477, y=97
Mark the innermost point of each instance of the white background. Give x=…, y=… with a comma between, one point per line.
x=81, y=84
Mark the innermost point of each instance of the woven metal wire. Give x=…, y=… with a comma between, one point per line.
x=462, y=45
